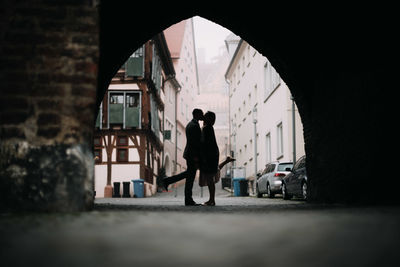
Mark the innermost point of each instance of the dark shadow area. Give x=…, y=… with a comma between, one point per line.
x=333, y=60
x=340, y=63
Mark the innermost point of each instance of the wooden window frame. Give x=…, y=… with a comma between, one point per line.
x=127, y=155
x=119, y=140
x=100, y=159
x=101, y=141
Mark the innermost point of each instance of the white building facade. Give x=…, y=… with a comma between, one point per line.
x=181, y=44
x=254, y=84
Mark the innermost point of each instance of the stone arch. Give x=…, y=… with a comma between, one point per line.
x=331, y=67
x=339, y=69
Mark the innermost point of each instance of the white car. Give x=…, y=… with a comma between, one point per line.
x=270, y=181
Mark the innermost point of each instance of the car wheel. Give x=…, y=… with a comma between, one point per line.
x=284, y=192
x=304, y=190
x=270, y=194
x=259, y=195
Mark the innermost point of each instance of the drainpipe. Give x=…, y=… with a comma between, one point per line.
x=163, y=135
x=294, y=129
x=176, y=129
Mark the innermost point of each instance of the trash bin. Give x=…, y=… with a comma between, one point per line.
x=126, y=192
x=138, y=188
x=243, y=184
x=117, y=189
x=226, y=182
x=236, y=186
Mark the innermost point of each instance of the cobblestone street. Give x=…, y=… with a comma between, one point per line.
x=239, y=231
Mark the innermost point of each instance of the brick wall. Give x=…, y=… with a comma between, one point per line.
x=48, y=74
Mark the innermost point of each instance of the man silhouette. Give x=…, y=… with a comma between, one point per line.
x=192, y=156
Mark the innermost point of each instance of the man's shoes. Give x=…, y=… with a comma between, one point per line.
x=192, y=204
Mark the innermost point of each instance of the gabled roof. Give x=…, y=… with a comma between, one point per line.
x=174, y=36
x=164, y=54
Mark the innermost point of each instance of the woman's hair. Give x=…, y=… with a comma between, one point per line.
x=209, y=117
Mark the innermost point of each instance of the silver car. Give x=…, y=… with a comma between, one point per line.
x=270, y=181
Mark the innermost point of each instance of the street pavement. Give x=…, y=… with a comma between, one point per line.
x=239, y=231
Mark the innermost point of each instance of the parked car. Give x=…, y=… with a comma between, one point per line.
x=270, y=181
x=295, y=183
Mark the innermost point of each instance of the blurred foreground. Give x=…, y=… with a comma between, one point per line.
x=239, y=231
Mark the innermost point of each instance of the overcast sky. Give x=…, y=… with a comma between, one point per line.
x=209, y=36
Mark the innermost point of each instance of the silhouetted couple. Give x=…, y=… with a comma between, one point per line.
x=201, y=152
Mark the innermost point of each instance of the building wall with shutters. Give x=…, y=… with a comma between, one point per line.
x=132, y=107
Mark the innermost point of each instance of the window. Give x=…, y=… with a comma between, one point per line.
x=97, y=141
x=134, y=66
x=138, y=53
x=132, y=100
x=122, y=140
x=97, y=149
x=179, y=140
x=271, y=168
x=182, y=110
x=169, y=127
x=122, y=155
x=255, y=94
x=243, y=63
x=283, y=166
x=238, y=71
x=301, y=163
x=170, y=93
x=268, y=147
x=97, y=155
x=266, y=81
x=116, y=98
x=276, y=79
x=124, y=109
x=248, y=55
x=280, y=140
x=156, y=75
x=265, y=170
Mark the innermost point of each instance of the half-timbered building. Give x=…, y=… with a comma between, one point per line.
x=128, y=142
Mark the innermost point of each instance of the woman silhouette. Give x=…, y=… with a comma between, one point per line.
x=209, y=167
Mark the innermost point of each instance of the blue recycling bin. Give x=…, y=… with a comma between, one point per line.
x=138, y=188
x=236, y=186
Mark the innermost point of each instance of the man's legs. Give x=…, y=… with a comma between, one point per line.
x=191, y=174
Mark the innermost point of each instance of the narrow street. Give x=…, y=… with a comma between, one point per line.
x=239, y=231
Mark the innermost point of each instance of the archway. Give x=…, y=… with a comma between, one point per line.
x=339, y=69
x=326, y=66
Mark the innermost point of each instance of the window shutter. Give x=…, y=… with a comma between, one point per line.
x=132, y=117
x=134, y=66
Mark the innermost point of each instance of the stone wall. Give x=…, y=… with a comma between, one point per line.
x=48, y=74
